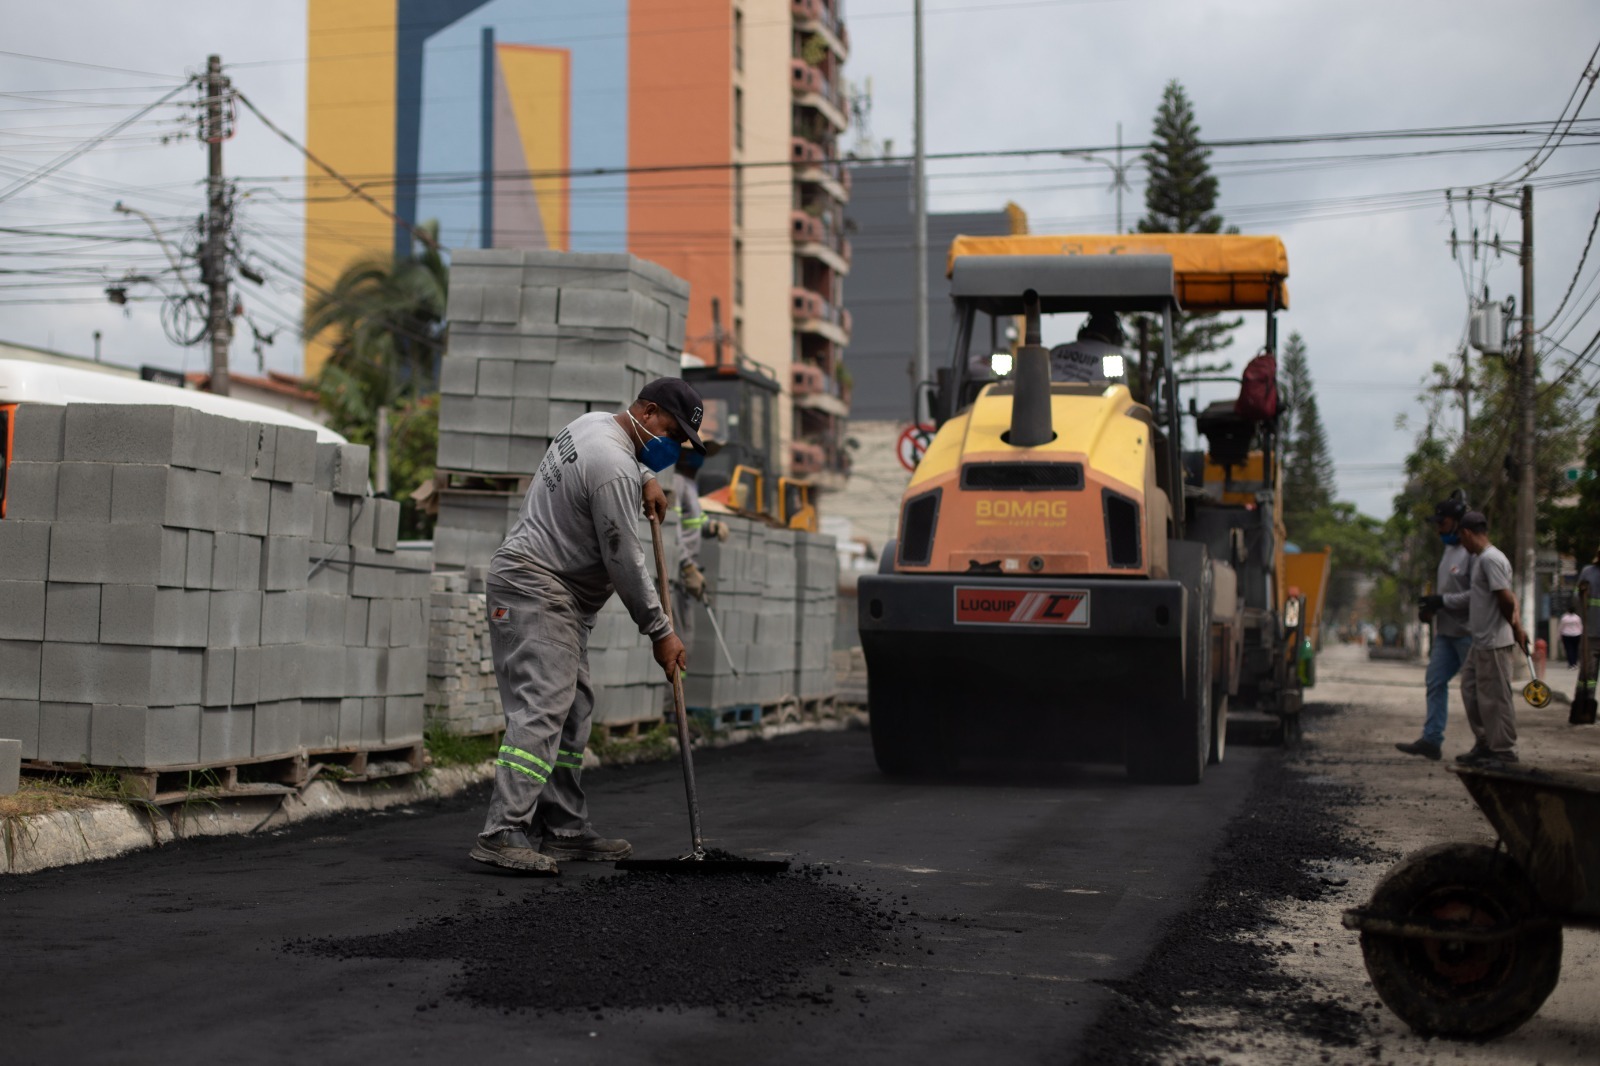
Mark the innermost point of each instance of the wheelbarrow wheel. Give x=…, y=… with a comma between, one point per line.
x=1456, y=989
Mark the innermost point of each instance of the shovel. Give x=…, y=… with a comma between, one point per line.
x=1583, y=707
x=696, y=861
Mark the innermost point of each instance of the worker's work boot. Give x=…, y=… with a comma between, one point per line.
x=510, y=850
x=1426, y=749
x=587, y=847
x=1479, y=752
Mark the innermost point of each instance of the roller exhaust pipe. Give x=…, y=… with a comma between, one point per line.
x=1030, y=401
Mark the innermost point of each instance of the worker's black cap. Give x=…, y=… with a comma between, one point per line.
x=1454, y=507
x=1475, y=521
x=678, y=398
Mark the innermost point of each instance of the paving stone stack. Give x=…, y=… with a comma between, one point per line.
x=735, y=582
x=186, y=589
x=538, y=338
x=816, y=606
x=462, y=693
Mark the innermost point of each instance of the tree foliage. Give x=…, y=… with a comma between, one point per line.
x=383, y=320
x=1308, y=474
x=1181, y=197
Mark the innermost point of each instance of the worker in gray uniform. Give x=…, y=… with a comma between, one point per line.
x=574, y=543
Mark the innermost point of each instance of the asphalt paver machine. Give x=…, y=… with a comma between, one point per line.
x=1066, y=582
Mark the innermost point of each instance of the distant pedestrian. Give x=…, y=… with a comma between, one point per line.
x=1571, y=635
x=1446, y=609
x=1589, y=604
x=1497, y=636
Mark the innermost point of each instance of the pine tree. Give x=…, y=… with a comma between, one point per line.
x=1181, y=197
x=1308, y=476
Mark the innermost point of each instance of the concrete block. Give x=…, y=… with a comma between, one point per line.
x=242, y=505
x=119, y=673
x=363, y=522
x=465, y=302
x=590, y=382
x=246, y=676
x=380, y=617
x=530, y=417
x=10, y=766
x=319, y=724
x=201, y=554
x=364, y=671
x=20, y=669
x=350, y=709
x=532, y=381
x=322, y=671
x=406, y=672
x=117, y=554
x=476, y=414
x=539, y=307
x=128, y=433
x=325, y=619
x=216, y=677
x=22, y=610
x=31, y=491
x=83, y=492
x=285, y=561
x=329, y=571
x=455, y=451
x=385, y=524
x=37, y=433
x=226, y=574
x=372, y=720
x=340, y=510
x=289, y=509
x=24, y=550
x=145, y=737
x=207, y=440
x=458, y=376
x=352, y=474
x=356, y=621
x=525, y=454
x=502, y=304
x=595, y=308
x=494, y=377
x=235, y=619
x=476, y=344
x=282, y=672
x=72, y=613
x=64, y=732
x=19, y=719
x=403, y=718
x=263, y=448
x=150, y=494
x=491, y=453
x=295, y=459
x=236, y=441
x=283, y=617
x=372, y=574
x=408, y=626
x=154, y=617
x=533, y=350
x=226, y=733
x=319, y=517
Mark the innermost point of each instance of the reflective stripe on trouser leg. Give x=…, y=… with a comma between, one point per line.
x=538, y=644
x=563, y=809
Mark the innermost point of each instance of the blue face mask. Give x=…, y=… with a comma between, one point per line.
x=1450, y=538
x=657, y=453
x=692, y=459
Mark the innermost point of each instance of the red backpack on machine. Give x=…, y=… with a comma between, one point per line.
x=1258, y=391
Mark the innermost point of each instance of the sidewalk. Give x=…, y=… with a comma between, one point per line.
x=1407, y=803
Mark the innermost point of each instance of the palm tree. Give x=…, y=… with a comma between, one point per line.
x=385, y=318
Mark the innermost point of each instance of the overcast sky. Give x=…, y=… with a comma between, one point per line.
x=1374, y=292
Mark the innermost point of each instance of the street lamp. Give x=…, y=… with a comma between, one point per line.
x=1119, y=171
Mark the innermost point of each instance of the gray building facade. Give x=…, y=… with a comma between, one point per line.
x=882, y=293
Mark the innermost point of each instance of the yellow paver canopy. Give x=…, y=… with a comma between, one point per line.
x=1211, y=271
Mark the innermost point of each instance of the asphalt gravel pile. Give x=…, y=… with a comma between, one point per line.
x=1291, y=823
x=644, y=941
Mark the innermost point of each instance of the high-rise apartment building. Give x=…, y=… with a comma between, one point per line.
x=701, y=134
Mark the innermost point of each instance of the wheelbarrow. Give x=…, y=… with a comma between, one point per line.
x=1464, y=940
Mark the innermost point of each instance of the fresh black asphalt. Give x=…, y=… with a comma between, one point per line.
x=986, y=919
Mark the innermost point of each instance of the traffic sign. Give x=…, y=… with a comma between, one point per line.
x=913, y=444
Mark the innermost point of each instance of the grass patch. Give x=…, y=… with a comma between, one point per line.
x=62, y=792
x=453, y=749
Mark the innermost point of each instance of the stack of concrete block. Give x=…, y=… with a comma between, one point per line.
x=736, y=581
x=816, y=605
x=175, y=577
x=628, y=685
x=536, y=339
x=463, y=697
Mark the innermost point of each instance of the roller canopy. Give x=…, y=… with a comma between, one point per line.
x=996, y=283
x=1211, y=271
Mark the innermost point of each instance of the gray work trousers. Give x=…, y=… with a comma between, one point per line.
x=1486, y=692
x=541, y=662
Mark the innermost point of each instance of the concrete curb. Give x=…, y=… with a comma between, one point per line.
x=109, y=829
x=106, y=830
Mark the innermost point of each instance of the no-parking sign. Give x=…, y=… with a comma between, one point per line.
x=913, y=444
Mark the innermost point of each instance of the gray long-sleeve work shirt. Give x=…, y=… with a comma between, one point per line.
x=1453, y=582
x=580, y=524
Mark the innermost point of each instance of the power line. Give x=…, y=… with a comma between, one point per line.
x=89, y=66
x=1590, y=73
x=1579, y=270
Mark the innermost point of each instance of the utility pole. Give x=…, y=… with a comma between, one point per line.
x=1526, y=558
x=214, y=256
x=919, y=192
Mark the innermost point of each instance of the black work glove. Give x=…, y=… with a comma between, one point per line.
x=1430, y=603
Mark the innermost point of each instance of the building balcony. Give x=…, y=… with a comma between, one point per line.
x=822, y=17
x=814, y=390
x=807, y=459
x=814, y=168
x=813, y=314
x=812, y=89
x=813, y=239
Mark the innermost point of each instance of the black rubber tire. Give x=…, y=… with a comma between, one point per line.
x=907, y=741
x=1171, y=745
x=1462, y=991
x=1219, y=727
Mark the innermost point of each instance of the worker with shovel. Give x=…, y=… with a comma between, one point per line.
x=574, y=543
